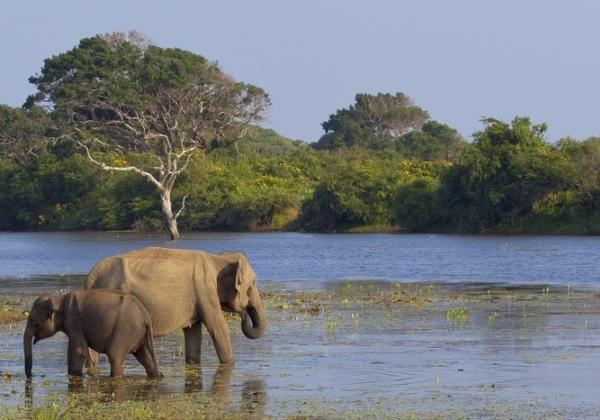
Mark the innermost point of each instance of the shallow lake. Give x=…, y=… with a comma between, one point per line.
x=524, y=351
x=305, y=260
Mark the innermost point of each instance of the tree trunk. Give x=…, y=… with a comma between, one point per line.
x=165, y=199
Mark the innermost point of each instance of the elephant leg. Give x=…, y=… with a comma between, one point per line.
x=77, y=354
x=146, y=357
x=118, y=347
x=219, y=332
x=193, y=343
x=116, y=359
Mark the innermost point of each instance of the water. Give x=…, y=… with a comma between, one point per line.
x=300, y=260
x=539, y=352
x=527, y=349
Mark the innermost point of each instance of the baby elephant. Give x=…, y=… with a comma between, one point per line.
x=105, y=320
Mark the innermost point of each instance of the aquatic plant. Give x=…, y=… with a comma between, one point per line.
x=460, y=314
x=331, y=326
x=10, y=315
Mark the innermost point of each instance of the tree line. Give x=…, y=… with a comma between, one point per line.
x=122, y=134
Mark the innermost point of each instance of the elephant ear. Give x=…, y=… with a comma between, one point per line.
x=244, y=275
x=239, y=274
x=49, y=307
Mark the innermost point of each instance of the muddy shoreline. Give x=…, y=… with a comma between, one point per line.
x=350, y=349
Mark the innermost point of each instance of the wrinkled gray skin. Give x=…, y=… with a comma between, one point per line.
x=107, y=321
x=187, y=289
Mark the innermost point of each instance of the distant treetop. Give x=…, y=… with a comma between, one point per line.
x=385, y=121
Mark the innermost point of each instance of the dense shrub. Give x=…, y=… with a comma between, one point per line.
x=418, y=207
x=508, y=180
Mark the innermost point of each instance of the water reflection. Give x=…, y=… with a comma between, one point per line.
x=117, y=389
x=254, y=397
x=28, y=395
x=193, y=379
x=221, y=380
x=132, y=388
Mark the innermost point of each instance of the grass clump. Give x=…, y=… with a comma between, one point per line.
x=10, y=315
x=460, y=314
x=190, y=406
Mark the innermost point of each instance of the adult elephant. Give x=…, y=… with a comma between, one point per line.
x=185, y=289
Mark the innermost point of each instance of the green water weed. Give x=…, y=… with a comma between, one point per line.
x=458, y=315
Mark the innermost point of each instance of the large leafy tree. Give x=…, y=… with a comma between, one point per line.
x=373, y=121
x=23, y=133
x=585, y=158
x=136, y=107
x=503, y=173
x=435, y=141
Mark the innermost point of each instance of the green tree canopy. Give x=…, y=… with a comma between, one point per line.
x=22, y=132
x=585, y=159
x=503, y=173
x=435, y=141
x=373, y=122
x=122, y=96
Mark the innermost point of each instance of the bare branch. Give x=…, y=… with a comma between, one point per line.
x=182, y=206
x=185, y=164
x=185, y=152
x=106, y=167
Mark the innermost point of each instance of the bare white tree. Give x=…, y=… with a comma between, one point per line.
x=172, y=128
x=128, y=97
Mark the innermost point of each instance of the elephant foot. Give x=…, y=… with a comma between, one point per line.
x=192, y=360
x=93, y=370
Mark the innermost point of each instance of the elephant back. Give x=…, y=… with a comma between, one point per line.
x=164, y=280
x=110, y=273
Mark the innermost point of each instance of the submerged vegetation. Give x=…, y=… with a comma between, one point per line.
x=459, y=315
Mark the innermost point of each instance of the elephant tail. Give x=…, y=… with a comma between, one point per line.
x=150, y=342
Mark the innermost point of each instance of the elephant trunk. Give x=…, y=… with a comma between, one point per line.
x=254, y=322
x=27, y=338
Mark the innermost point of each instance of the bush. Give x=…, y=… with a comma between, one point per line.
x=417, y=206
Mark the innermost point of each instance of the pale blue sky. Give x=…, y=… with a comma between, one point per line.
x=459, y=59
